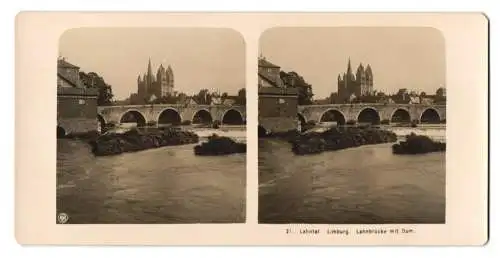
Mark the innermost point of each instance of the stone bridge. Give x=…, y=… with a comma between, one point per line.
x=171, y=114
x=372, y=113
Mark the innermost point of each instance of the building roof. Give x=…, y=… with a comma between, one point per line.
x=268, y=79
x=264, y=63
x=62, y=63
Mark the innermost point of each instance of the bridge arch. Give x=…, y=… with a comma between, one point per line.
x=202, y=116
x=169, y=116
x=400, y=115
x=430, y=116
x=368, y=115
x=333, y=115
x=232, y=117
x=133, y=116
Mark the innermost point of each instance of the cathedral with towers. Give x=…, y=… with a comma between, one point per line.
x=354, y=86
x=150, y=86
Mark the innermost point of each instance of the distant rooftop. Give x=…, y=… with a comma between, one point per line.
x=61, y=62
x=264, y=63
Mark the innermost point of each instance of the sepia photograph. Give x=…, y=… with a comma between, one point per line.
x=352, y=125
x=271, y=129
x=151, y=126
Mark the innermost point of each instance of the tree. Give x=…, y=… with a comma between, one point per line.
x=334, y=98
x=224, y=96
x=294, y=80
x=241, y=99
x=181, y=97
x=401, y=96
x=441, y=92
x=203, y=97
x=105, y=92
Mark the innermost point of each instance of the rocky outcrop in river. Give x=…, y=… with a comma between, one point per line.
x=217, y=145
x=135, y=140
x=339, y=138
x=418, y=144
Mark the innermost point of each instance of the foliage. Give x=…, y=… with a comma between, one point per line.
x=241, y=99
x=93, y=80
x=294, y=80
x=203, y=97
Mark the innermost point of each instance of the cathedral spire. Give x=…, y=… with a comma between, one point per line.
x=349, y=70
x=149, y=68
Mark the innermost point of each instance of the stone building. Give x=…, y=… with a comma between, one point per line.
x=76, y=104
x=277, y=104
x=155, y=86
x=350, y=85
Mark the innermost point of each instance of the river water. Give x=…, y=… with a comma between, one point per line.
x=367, y=185
x=163, y=185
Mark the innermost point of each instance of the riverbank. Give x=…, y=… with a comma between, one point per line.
x=217, y=146
x=137, y=140
x=418, y=144
x=121, y=140
x=340, y=138
x=323, y=138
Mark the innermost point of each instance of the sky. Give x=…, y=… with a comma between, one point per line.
x=404, y=57
x=200, y=57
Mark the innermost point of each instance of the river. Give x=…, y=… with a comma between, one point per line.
x=363, y=185
x=163, y=185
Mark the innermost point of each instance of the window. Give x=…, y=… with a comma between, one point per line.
x=81, y=101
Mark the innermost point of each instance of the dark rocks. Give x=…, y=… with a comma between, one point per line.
x=340, y=138
x=262, y=132
x=217, y=145
x=418, y=144
x=135, y=140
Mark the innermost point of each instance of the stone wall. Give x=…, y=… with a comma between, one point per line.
x=77, y=125
x=76, y=113
x=278, y=124
x=76, y=107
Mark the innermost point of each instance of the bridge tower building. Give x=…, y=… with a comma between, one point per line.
x=76, y=102
x=277, y=103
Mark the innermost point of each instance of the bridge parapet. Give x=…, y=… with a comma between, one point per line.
x=152, y=113
x=385, y=112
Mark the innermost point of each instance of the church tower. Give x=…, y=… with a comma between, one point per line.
x=162, y=80
x=170, y=80
x=160, y=84
x=369, y=78
x=358, y=85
